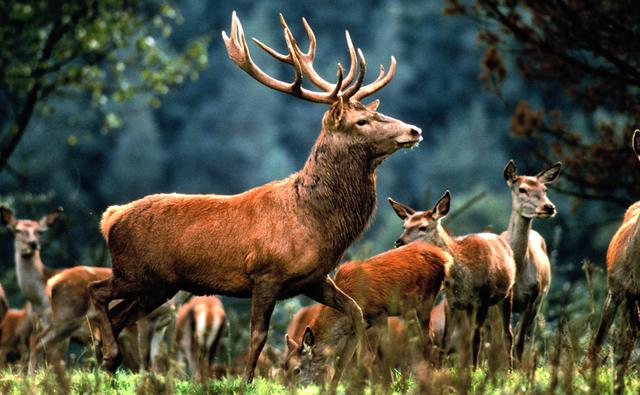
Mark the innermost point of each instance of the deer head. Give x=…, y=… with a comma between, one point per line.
x=529, y=193
x=27, y=232
x=303, y=364
x=422, y=225
x=347, y=121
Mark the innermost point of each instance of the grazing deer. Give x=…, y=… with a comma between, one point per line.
x=72, y=314
x=199, y=326
x=272, y=242
x=482, y=273
x=400, y=282
x=15, y=331
x=623, y=277
x=31, y=272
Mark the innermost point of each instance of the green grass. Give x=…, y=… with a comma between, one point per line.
x=448, y=381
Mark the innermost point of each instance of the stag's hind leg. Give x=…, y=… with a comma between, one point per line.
x=627, y=340
x=609, y=310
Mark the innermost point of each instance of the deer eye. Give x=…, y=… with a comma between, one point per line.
x=522, y=190
x=422, y=228
x=362, y=122
x=296, y=371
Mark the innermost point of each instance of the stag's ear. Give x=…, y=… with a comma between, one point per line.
x=400, y=209
x=373, y=106
x=636, y=142
x=8, y=219
x=336, y=115
x=308, y=341
x=442, y=206
x=49, y=219
x=510, y=173
x=290, y=343
x=549, y=174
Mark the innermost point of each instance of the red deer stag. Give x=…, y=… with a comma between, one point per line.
x=623, y=277
x=272, y=242
x=533, y=271
x=199, y=326
x=404, y=281
x=482, y=273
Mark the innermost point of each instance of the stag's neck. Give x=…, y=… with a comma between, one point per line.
x=518, y=237
x=337, y=190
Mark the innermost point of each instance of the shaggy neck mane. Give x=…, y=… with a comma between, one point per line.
x=337, y=190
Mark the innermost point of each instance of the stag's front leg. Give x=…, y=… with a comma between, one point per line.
x=327, y=293
x=263, y=300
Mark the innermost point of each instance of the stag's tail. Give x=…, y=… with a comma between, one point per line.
x=109, y=217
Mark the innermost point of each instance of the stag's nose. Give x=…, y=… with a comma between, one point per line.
x=415, y=132
x=33, y=245
x=398, y=243
x=550, y=208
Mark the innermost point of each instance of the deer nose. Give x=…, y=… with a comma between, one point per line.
x=33, y=245
x=549, y=208
x=415, y=131
x=398, y=243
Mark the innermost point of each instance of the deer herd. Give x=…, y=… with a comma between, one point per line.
x=285, y=238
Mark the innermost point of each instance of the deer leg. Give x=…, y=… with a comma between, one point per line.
x=448, y=331
x=526, y=319
x=263, y=300
x=507, y=304
x=480, y=317
x=344, y=358
x=609, y=310
x=630, y=329
x=144, y=343
x=211, y=354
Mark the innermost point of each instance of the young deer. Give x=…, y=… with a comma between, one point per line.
x=533, y=272
x=242, y=245
x=623, y=275
x=482, y=273
x=403, y=281
x=199, y=326
x=31, y=272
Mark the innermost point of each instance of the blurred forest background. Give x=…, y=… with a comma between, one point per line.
x=144, y=100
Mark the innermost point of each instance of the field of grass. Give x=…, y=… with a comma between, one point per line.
x=543, y=380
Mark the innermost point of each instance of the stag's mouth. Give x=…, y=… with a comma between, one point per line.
x=409, y=143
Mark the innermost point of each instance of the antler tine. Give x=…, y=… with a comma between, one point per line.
x=288, y=58
x=378, y=84
x=352, y=60
x=336, y=89
x=355, y=87
x=238, y=51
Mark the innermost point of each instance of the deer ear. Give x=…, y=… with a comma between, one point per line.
x=290, y=343
x=335, y=115
x=636, y=142
x=510, y=173
x=308, y=340
x=549, y=174
x=442, y=206
x=49, y=219
x=400, y=209
x=7, y=218
x=373, y=106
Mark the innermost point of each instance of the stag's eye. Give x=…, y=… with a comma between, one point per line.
x=522, y=190
x=296, y=371
x=422, y=228
x=362, y=122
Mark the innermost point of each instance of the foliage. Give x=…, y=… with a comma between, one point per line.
x=590, y=50
x=109, y=50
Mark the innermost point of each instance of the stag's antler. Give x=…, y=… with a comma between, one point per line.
x=302, y=63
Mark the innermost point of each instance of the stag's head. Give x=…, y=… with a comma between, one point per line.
x=529, y=193
x=27, y=232
x=422, y=225
x=303, y=363
x=348, y=120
